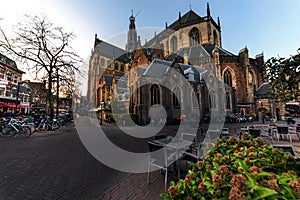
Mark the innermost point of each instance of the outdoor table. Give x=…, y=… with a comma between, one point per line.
x=178, y=145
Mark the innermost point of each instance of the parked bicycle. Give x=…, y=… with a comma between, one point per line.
x=46, y=124
x=15, y=127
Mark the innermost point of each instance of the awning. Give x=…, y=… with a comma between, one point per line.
x=10, y=105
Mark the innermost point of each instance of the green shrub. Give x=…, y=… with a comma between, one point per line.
x=239, y=170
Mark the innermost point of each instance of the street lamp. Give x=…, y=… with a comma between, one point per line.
x=101, y=106
x=100, y=114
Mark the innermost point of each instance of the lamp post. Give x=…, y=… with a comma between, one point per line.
x=101, y=106
x=100, y=114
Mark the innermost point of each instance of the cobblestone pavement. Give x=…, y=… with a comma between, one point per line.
x=55, y=165
x=51, y=165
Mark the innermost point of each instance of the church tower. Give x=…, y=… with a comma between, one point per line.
x=131, y=35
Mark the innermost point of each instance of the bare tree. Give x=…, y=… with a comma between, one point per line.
x=44, y=47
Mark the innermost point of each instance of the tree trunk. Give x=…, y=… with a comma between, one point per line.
x=57, y=92
x=50, y=96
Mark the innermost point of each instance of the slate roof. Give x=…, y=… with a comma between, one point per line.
x=187, y=19
x=140, y=70
x=264, y=91
x=193, y=52
x=210, y=47
x=110, y=51
x=158, y=68
x=10, y=63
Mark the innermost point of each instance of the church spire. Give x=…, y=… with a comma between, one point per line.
x=131, y=35
x=208, y=10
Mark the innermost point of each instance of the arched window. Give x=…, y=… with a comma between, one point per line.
x=216, y=41
x=176, y=97
x=212, y=100
x=122, y=68
x=194, y=37
x=227, y=101
x=116, y=66
x=251, y=77
x=155, y=94
x=228, y=78
x=102, y=61
x=196, y=98
x=173, y=43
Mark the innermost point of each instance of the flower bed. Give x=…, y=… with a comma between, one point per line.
x=240, y=170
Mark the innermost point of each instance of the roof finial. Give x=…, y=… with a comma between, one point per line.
x=208, y=10
x=219, y=24
x=131, y=12
x=166, y=25
x=190, y=7
x=180, y=15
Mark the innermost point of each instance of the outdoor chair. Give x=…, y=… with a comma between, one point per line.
x=213, y=135
x=160, y=159
x=190, y=138
x=200, y=151
x=224, y=133
x=294, y=130
x=283, y=132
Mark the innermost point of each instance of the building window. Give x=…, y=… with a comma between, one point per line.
x=250, y=77
x=102, y=62
x=2, y=91
x=215, y=37
x=116, y=66
x=174, y=43
x=122, y=68
x=155, y=94
x=108, y=88
x=196, y=98
x=212, y=100
x=194, y=37
x=227, y=100
x=228, y=78
x=176, y=97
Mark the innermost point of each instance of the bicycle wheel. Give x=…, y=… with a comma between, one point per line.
x=8, y=131
x=26, y=132
x=43, y=127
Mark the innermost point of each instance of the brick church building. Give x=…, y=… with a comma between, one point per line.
x=191, y=47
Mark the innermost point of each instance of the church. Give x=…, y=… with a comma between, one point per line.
x=184, y=69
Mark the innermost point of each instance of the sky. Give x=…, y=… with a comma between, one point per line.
x=268, y=26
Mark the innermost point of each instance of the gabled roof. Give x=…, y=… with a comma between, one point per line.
x=187, y=19
x=210, y=47
x=10, y=63
x=158, y=68
x=110, y=50
x=264, y=91
x=140, y=70
x=193, y=52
